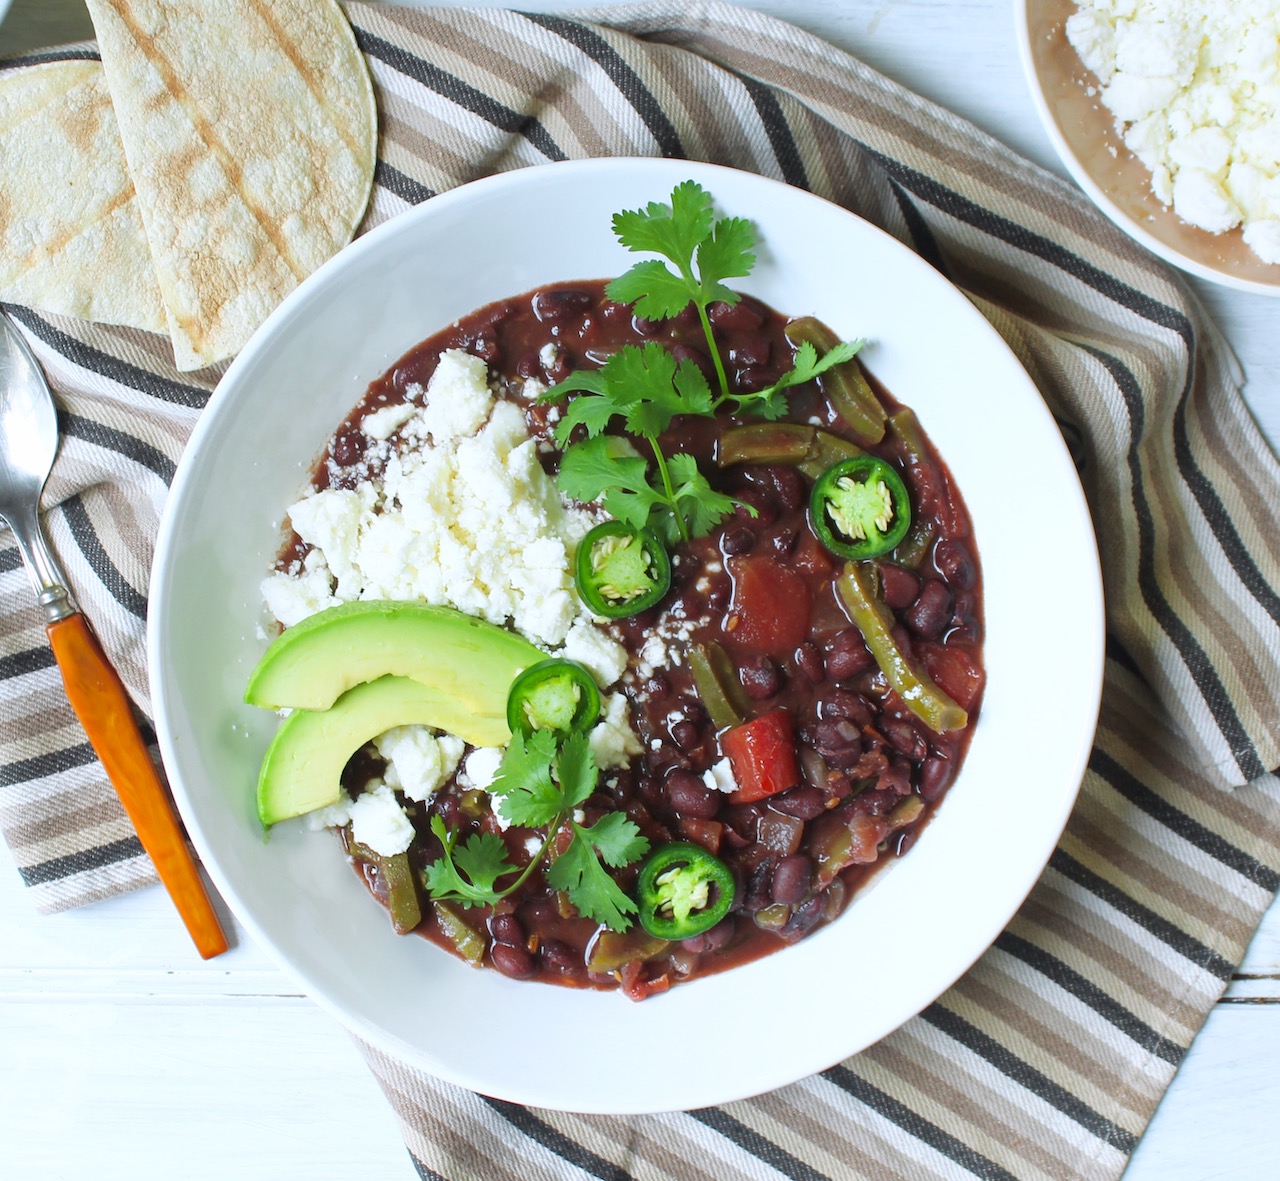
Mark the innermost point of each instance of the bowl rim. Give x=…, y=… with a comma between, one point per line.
x=1095, y=192
x=167, y=712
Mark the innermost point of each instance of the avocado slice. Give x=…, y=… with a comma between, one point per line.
x=462, y=658
x=303, y=765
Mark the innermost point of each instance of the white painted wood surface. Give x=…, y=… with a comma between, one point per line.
x=123, y=1056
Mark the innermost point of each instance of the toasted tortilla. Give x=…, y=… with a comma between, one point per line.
x=250, y=129
x=71, y=236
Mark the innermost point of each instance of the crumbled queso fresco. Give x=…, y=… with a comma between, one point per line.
x=462, y=516
x=1194, y=86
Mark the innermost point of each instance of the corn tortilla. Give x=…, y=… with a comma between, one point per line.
x=250, y=129
x=71, y=236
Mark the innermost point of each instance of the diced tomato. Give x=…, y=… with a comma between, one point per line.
x=956, y=671
x=762, y=753
x=769, y=611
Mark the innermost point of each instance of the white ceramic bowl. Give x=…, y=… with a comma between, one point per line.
x=758, y=1026
x=1083, y=134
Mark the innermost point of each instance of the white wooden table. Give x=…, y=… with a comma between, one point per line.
x=123, y=1056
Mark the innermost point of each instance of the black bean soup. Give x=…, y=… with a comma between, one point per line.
x=759, y=590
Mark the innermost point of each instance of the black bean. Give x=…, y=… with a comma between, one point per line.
x=743, y=316
x=755, y=350
x=753, y=378
x=830, y=738
x=553, y=306
x=848, y=656
x=737, y=539
x=783, y=542
x=760, y=678
x=688, y=796
x=900, y=586
x=935, y=775
x=656, y=685
x=348, y=447
x=685, y=352
x=506, y=928
x=559, y=956
x=792, y=878
x=711, y=940
x=955, y=563
x=512, y=960
x=757, y=506
x=805, y=803
x=782, y=482
x=931, y=611
x=685, y=734
x=809, y=661
x=841, y=703
x=903, y=736
x=806, y=916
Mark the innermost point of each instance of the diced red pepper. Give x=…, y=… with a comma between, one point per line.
x=769, y=611
x=762, y=753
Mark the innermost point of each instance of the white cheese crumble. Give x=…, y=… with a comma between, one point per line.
x=464, y=517
x=613, y=741
x=474, y=524
x=335, y=815
x=418, y=761
x=378, y=821
x=481, y=767
x=719, y=777
x=589, y=646
x=1194, y=86
x=382, y=424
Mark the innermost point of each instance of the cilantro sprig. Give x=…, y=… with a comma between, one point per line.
x=704, y=250
x=543, y=777
x=646, y=388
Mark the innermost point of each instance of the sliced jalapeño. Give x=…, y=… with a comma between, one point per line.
x=620, y=570
x=683, y=890
x=553, y=695
x=860, y=508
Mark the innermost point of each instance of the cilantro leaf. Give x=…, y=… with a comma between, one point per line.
x=590, y=469
x=578, y=872
x=576, y=770
x=482, y=859
x=672, y=230
x=725, y=254
x=768, y=402
x=652, y=289
x=617, y=840
x=702, y=506
x=528, y=795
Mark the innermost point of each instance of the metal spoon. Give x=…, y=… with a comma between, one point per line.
x=28, y=443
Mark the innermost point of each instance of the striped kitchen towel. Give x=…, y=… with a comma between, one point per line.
x=1047, y=1059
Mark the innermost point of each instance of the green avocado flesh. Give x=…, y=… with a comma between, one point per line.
x=357, y=670
x=303, y=766
x=312, y=664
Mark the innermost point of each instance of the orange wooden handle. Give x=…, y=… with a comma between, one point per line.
x=102, y=705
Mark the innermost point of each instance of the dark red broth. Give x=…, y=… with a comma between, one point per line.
x=763, y=588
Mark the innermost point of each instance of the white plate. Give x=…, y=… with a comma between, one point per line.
x=1083, y=133
x=758, y=1026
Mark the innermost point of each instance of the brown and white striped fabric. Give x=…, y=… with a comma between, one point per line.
x=1047, y=1059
